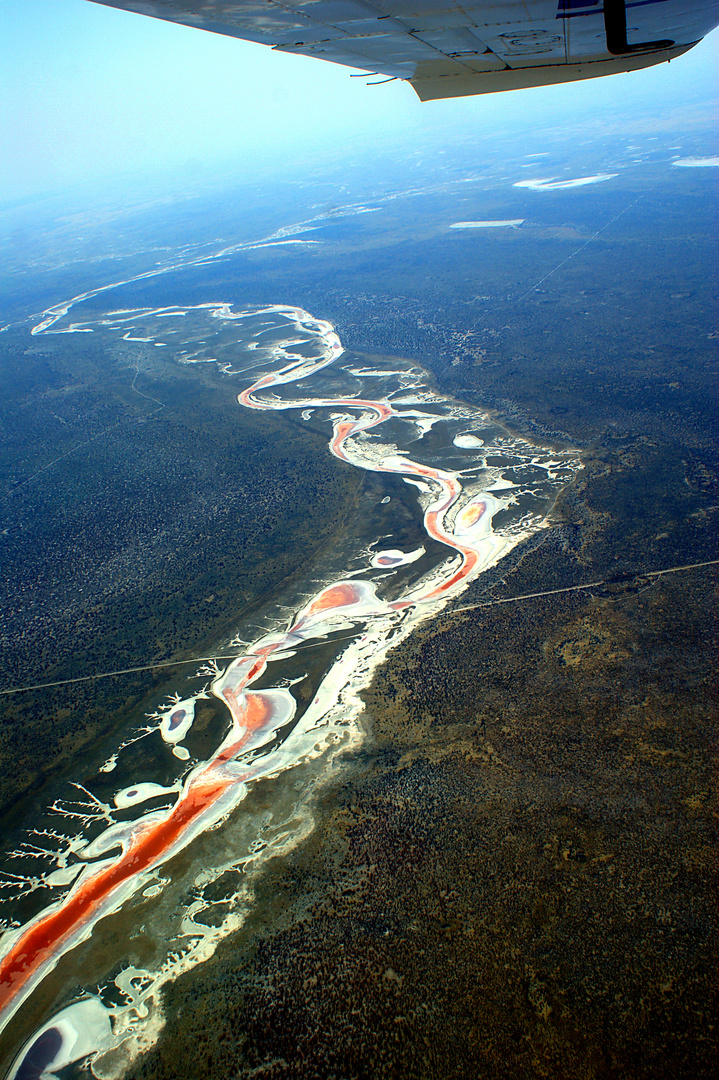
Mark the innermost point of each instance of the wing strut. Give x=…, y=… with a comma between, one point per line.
x=615, y=27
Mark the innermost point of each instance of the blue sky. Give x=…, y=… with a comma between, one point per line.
x=95, y=94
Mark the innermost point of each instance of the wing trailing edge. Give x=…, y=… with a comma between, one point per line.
x=464, y=84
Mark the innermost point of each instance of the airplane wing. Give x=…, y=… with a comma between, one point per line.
x=445, y=48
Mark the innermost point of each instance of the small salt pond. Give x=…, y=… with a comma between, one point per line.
x=506, y=224
x=697, y=162
x=552, y=184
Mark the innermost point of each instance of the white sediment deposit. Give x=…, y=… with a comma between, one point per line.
x=509, y=223
x=697, y=162
x=552, y=184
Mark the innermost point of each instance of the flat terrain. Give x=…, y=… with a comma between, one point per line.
x=514, y=877
x=143, y=513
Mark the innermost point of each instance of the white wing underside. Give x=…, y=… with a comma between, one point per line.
x=448, y=49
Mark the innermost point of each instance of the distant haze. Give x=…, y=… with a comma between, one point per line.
x=92, y=93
